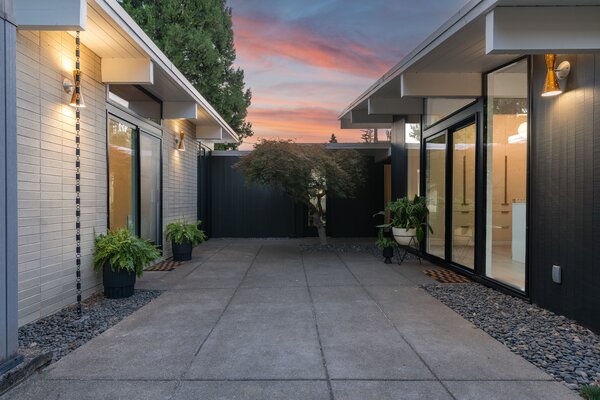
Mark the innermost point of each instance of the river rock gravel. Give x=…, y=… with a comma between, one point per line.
x=558, y=345
x=64, y=331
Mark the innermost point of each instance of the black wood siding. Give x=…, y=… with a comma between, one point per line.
x=245, y=210
x=354, y=217
x=238, y=209
x=565, y=192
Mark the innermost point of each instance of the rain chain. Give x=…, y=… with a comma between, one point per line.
x=77, y=89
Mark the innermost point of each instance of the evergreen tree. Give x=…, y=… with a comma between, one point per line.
x=197, y=36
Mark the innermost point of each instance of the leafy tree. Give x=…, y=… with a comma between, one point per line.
x=197, y=36
x=307, y=173
x=333, y=138
x=367, y=135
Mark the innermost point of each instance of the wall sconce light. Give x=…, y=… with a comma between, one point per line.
x=180, y=141
x=554, y=75
x=74, y=88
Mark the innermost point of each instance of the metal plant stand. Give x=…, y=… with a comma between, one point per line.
x=404, y=249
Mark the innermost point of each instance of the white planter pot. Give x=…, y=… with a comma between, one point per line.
x=403, y=236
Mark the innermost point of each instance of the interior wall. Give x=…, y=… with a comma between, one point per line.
x=565, y=188
x=46, y=172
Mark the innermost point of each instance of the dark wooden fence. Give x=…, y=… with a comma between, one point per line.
x=230, y=207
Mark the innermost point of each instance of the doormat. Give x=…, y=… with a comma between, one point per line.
x=169, y=265
x=446, y=276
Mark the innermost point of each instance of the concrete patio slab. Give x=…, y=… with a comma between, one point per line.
x=262, y=319
x=281, y=390
x=509, y=390
x=389, y=390
x=36, y=388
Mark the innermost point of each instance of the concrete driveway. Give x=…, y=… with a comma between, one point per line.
x=261, y=319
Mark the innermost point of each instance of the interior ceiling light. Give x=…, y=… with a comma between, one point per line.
x=554, y=75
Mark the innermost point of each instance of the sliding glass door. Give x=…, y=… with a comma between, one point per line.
x=463, y=196
x=150, y=187
x=450, y=193
x=134, y=180
x=435, y=187
x=122, y=175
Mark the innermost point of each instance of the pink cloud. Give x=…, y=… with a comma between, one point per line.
x=259, y=40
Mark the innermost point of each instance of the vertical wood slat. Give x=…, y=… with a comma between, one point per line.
x=565, y=183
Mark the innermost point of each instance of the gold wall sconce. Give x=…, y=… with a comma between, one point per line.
x=74, y=88
x=555, y=75
x=180, y=142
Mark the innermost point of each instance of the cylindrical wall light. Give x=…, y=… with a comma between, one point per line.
x=553, y=75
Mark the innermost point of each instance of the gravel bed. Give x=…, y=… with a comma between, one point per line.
x=63, y=332
x=556, y=344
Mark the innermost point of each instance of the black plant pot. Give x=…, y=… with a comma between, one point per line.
x=118, y=284
x=182, y=252
x=388, y=253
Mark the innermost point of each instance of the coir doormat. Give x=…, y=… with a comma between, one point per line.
x=446, y=276
x=169, y=265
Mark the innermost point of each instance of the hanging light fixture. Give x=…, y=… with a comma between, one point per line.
x=180, y=141
x=553, y=75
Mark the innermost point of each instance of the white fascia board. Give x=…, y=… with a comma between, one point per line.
x=209, y=132
x=127, y=71
x=180, y=110
x=348, y=124
x=456, y=85
x=363, y=117
x=542, y=30
x=51, y=15
x=470, y=12
x=114, y=10
x=395, y=106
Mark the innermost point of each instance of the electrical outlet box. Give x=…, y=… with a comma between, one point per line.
x=556, y=274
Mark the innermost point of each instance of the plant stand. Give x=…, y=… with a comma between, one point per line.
x=402, y=251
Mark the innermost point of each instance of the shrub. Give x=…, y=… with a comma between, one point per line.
x=183, y=232
x=123, y=251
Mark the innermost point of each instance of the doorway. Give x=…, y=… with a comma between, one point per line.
x=450, y=160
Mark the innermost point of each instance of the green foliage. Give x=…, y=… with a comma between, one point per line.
x=197, y=36
x=304, y=171
x=408, y=214
x=183, y=232
x=123, y=251
x=382, y=241
x=590, y=392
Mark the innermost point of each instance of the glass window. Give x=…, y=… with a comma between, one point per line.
x=435, y=179
x=137, y=100
x=413, y=146
x=463, y=196
x=122, y=176
x=506, y=170
x=150, y=188
x=437, y=109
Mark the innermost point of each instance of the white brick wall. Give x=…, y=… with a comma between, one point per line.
x=46, y=172
x=180, y=176
x=46, y=183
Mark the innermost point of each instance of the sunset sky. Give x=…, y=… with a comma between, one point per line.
x=305, y=61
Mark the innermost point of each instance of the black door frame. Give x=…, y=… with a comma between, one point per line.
x=467, y=116
x=472, y=112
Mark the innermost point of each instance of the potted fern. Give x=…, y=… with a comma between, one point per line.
x=408, y=219
x=184, y=236
x=121, y=257
x=386, y=246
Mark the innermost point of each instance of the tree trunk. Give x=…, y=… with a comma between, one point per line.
x=318, y=223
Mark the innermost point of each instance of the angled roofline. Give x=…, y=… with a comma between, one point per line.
x=471, y=11
x=137, y=34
